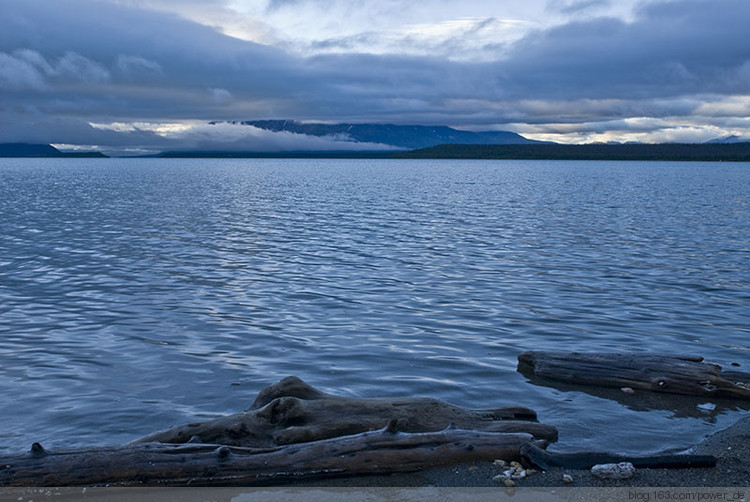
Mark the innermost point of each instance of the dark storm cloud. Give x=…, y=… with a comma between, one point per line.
x=672, y=48
x=100, y=62
x=151, y=64
x=65, y=64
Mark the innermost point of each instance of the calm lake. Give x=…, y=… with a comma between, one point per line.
x=137, y=294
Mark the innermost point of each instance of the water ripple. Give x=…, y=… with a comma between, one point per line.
x=136, y=294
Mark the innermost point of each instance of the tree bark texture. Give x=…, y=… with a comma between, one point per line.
x=377, y=452
x=292, y=411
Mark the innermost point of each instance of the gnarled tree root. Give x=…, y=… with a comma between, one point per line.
x=291, y=411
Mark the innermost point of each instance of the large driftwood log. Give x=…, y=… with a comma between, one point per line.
x=658, y=373
x=292, y=411
x=291, y=431
x=378, y=452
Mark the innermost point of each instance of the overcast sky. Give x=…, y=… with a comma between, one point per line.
x=138, y=75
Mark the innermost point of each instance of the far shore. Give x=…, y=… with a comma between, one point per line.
x=699, y=152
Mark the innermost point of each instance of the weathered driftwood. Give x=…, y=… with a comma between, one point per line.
x=532, y=455
x=658, y=373
x=292, y=430
x=292, y=411
x=377, y=452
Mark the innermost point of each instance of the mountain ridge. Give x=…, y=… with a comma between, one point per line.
x=727, y=140
x=407, y=137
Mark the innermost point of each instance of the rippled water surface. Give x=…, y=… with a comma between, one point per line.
x=136, y=294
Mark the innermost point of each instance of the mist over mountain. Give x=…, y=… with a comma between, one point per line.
x=401, y=136
x=39, y=150
x=727, y=139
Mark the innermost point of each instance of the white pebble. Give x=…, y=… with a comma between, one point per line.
x=623, y=470
x=567, y=478
x=520, y=474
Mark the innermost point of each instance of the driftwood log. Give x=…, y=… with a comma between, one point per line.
x=291, y=411
x=292, y=431
x=657, y=373
x=377, y=452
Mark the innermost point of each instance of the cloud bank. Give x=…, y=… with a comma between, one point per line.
x=674, y=70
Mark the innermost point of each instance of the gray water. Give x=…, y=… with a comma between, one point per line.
x=136, y=294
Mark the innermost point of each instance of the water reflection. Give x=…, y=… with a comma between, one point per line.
x=679, y=406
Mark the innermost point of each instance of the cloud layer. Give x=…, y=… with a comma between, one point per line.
x=667, y=70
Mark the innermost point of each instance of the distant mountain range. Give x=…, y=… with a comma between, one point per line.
x=37, y=150
x=407, y=137
x=727, y=139
x=436, y=142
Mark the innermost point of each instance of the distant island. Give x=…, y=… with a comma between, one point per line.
x=40, y=150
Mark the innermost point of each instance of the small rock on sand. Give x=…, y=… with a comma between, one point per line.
x=623, y=470
x=503, y=479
